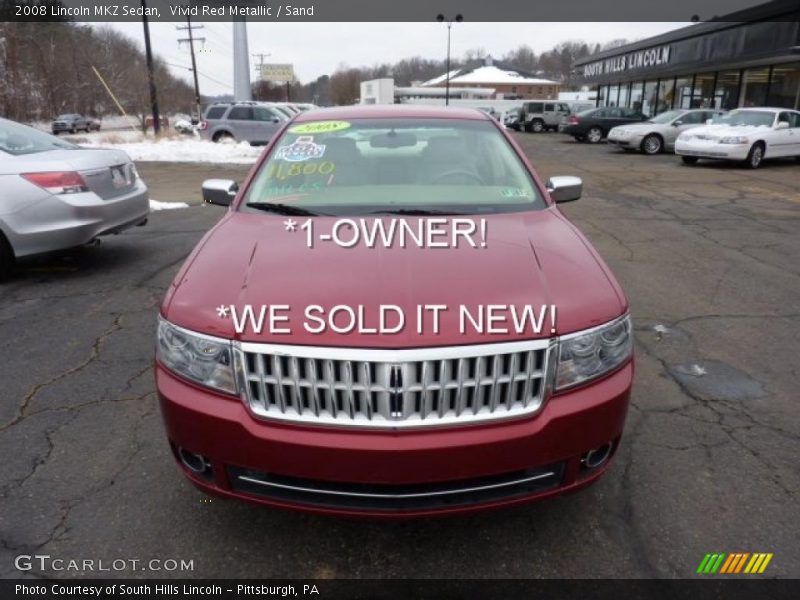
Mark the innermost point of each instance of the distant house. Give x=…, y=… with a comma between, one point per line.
x=506, y=81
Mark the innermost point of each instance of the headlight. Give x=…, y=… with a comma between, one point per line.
x=589, y=354
x=201, y=358
x=733, y=139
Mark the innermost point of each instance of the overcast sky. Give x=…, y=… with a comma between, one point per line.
x=319, y=48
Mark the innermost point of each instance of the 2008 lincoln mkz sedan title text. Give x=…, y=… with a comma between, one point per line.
x=416, y=422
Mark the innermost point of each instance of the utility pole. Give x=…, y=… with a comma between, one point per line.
x=150, y=75
x=259, y=67
x=191, y=39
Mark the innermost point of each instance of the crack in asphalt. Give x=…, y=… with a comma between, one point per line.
x=22, y=408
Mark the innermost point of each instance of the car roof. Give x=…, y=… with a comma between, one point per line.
x=765, y=109
x=392, y=111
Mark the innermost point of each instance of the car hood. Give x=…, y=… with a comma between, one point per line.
x=638, y=127
x=715, y=132
x=534, y=258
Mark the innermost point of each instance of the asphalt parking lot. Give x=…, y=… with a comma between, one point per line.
x=710, y=259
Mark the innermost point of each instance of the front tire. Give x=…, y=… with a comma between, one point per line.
x=652, y=144
x=594, y=135
x=756, y=156
x=537, y=126
x=689, y=160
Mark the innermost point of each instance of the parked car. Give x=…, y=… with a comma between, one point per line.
x=95, y=124
x=251, y=122
x=748, y=135
x=659, y=133
x=593, y=125
x=513, y=119
x=70, y=123
x=57, y=195
x=406, y=423
x=542, y=115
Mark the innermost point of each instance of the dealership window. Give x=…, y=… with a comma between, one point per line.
x=650, y=98
x=602, y=92
x=666, y=95
x=635, y=100
x=727, y=93
x=624, y=94
x=683, y=92
x=754, y=87
x=613, y=95
x=784, y=88
x=703, y=94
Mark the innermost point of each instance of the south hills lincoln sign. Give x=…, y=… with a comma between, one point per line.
x=639, y=59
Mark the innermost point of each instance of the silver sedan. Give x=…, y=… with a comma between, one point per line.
x=56, y=195
x=659, y=133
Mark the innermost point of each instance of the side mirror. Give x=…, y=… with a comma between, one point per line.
x=677, y=123
x=565, y=188
x=219, y=191
x=782, y=125
x=276, y=120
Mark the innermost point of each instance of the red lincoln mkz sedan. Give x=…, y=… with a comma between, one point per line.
x=420, y=421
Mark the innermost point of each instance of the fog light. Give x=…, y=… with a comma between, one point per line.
x=597, y=457
x=196, y=463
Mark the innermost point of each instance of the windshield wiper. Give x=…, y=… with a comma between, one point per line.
x=413, y=212
x=284, y=209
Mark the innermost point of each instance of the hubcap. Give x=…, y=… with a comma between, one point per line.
x=652, y=145
x=537, y=126
x=756, y=160
x=595, y=135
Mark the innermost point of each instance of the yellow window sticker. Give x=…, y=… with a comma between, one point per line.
x=319, y=127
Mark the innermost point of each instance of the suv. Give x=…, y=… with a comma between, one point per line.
x=539, y=115
x=313, y=409
x=251, y=122
x=71, y=123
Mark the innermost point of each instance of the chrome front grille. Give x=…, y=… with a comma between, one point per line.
x=394, y=388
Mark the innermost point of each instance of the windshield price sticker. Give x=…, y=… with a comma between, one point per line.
x=320, y=127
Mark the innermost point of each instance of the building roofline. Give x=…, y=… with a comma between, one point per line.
x=776, y=10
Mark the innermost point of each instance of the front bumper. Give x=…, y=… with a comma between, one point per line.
x=625, y=142
x=407, y=473
x=56, y=222
x=711, y=149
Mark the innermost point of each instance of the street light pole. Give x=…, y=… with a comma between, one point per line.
x=441, y=18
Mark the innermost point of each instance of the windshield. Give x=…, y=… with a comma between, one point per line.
x=666, y=117
x=754, y=118
x=403, y=166
x=20, y=139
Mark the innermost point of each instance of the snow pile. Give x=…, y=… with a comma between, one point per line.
x=156, y=205
x=183, y=150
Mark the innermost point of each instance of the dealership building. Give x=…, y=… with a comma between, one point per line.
x=750, y=58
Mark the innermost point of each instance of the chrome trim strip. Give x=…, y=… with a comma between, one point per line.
x=395, y=356
x=396, y=496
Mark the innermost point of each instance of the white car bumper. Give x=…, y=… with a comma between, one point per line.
x=711, y=149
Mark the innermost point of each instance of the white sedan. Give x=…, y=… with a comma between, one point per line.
x=748, y=134
x=659, y=133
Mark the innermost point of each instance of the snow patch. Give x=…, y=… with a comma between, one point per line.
x=183, y=150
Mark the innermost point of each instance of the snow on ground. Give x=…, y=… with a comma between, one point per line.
x=184, y=149
x=156, y=205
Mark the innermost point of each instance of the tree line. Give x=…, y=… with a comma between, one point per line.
x=48, y=69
